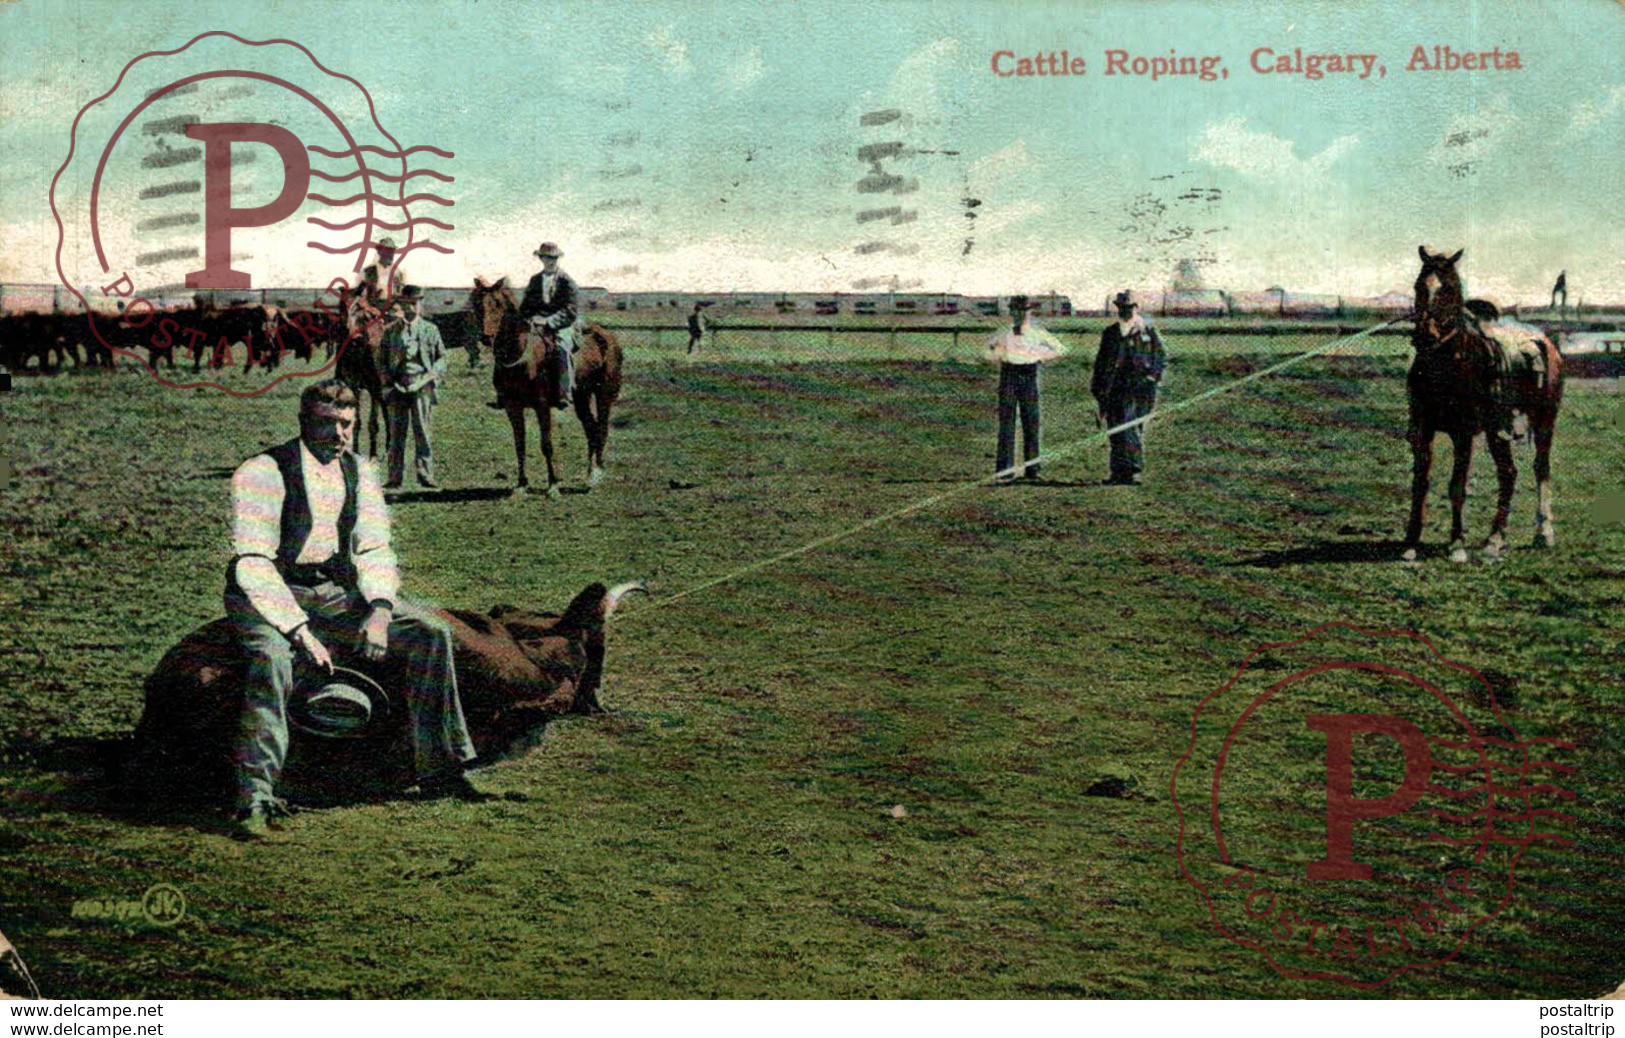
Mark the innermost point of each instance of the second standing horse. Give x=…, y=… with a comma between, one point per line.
x=523, y=366
x=1456, y=387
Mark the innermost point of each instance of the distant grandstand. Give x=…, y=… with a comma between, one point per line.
x=891, y=303
x=1273, y=302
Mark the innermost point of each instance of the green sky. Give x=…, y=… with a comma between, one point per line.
x=715, y=146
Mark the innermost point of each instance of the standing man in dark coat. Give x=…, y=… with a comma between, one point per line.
x=696, y=326
x=414, y=361
x=1127, y=369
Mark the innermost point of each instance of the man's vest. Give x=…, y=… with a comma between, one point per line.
x=296, y=522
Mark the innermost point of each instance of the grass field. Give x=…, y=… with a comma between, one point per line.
x=732, y=828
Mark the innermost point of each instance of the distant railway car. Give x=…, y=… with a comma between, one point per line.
x=1195, y=303
x=1045, y=306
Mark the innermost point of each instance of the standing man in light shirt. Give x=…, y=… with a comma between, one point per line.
x=1020, y=349
x=414, y=360
x=312, y=567
x=1128, y=368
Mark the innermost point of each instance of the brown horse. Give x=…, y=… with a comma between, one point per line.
x=361, y=363
x=1458, y=386
x=523, y=362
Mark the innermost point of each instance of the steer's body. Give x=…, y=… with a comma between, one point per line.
x=516, y=670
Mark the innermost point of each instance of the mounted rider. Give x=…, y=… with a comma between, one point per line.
x=383, y=279
x=552, y=302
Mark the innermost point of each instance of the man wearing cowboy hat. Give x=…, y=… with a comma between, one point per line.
x=551, y=302
x=312, y=567
x=384, y=271
x=414, y=361
x=1019, y=349
x=1127, y=370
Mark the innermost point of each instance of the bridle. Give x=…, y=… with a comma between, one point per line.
x=482, y=299
x=1427, y=319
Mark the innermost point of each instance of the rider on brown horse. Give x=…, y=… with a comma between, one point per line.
x=551, y=305
x=381, y=273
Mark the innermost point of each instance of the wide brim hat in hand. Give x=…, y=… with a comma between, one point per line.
x=1125, y=298
x=345, y=704
x=549, y=249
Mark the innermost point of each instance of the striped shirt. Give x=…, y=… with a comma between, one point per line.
x=256, y=533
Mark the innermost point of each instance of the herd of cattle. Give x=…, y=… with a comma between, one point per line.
x=248, y=334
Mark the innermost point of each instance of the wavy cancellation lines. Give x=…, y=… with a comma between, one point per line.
x=370, y=223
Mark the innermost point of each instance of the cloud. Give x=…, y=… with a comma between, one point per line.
x=1590, y=113
x=913, y=88
x=1231, y=144
x=744, y=71
x=990, y=170
x=669, y=49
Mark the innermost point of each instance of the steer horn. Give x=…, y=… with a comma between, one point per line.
x=612, y=597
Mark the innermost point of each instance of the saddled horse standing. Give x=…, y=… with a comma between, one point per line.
x=1471, y=371
x=523, y=360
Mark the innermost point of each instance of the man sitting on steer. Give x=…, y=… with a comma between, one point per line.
x=311, y=567
x=551, y=304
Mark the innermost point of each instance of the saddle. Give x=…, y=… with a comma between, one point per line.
x=1514, y=347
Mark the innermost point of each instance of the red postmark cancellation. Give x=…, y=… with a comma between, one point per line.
x=1353, y=805
x=170, y=150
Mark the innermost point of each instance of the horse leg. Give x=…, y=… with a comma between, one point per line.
x=1506, y=474
x=516, y=418
x=1461, y=464
x=1421, y=476
x=544, y=421
x=606, y=401
x=589, y=428
x=1543, y=427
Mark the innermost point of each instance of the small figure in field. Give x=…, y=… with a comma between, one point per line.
x=1020, y=349
x=1560, y=291
x=1128, y=369
x=696, y=326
